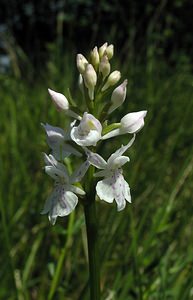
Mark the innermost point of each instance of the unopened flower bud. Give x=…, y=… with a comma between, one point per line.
x=133, y=122
x=102, y=50
x=94, y=56
x=112, y=80
x=130, y=123
x=118, y=96
x=90, y=79
x=104, y=66
x=81, y=62
x=59, y=100
x=110, y=51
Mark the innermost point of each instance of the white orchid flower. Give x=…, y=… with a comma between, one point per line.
x=57, y=140
x=63, y=199
x=88, y=132
x=113, y=186
x=130, y=123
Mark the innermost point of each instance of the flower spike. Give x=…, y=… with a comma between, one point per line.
x=101, y=95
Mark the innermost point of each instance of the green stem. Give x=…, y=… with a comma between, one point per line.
x=59, y=268
x=93, y=253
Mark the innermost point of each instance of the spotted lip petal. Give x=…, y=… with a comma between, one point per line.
x=114, y=187
x=60, y=203
x=119, y=188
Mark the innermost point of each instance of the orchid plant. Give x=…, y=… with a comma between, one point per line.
x=89, y=128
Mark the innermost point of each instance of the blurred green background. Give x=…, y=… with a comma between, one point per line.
x=147, y=249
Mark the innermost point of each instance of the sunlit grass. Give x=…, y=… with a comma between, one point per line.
x=146, y=250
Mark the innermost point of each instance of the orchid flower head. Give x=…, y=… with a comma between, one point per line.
x=100, y=94
x=88, y=132
x=63, y=199
x=113, y=186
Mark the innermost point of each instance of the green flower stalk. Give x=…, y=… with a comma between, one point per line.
x=94, y=178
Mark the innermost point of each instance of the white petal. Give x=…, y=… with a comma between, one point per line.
x=71, y=201
x=96, y=160
x=49, y=160
x=56, y=173
x=118, y=162
x=89, y=122
x=54, y=133
x=79, y=172
x=104, y=189
x=127, y=192
x=120, y=151
x=56, y=139
x=76, y=190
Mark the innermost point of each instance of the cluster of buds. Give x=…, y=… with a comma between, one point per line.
x=102, y=95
